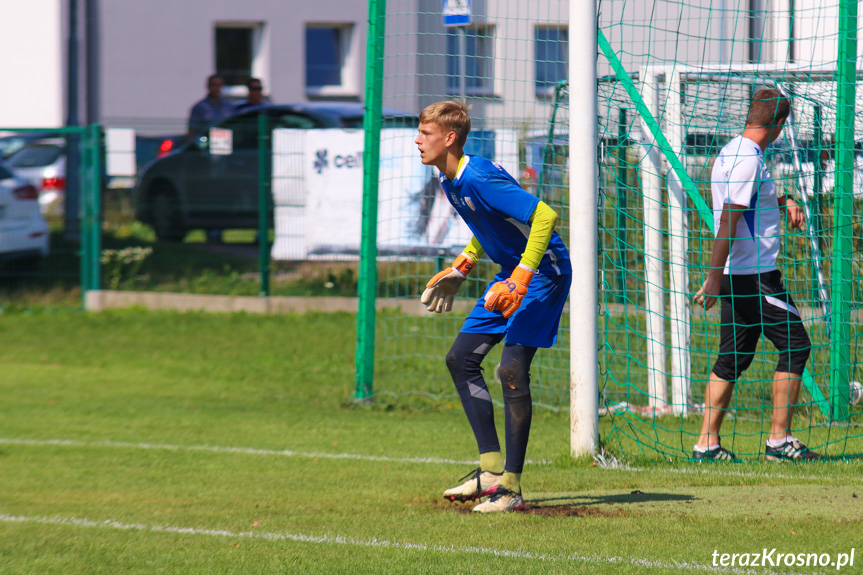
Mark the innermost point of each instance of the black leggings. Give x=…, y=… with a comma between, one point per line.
x=465, y=364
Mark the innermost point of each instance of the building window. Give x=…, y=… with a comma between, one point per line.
x=240, y=55
x=479, y=61
x=552, y=58
x=330, y=60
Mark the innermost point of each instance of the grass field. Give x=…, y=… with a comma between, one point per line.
x=141, y=442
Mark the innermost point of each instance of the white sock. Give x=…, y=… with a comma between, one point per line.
x=704, y=449
x=778, y=442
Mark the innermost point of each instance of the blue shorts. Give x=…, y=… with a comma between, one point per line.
x=536, y=321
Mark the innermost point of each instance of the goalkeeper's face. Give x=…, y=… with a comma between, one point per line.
x=433, y=143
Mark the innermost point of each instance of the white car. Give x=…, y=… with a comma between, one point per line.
x=23, y=230
x=43, y=164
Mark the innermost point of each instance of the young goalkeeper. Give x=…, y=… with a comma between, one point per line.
x=521, y=306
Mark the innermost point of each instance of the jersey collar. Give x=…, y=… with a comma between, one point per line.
x=462, y=164
x=757, y=147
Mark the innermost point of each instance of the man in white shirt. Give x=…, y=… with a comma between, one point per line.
x=743, y=274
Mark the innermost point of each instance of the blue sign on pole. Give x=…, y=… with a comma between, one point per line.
x=456, y=12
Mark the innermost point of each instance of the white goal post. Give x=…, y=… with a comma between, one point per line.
x=583, y=201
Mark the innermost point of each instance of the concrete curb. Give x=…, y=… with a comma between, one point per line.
x=99, y=300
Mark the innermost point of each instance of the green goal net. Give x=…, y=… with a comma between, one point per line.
x=674, y=81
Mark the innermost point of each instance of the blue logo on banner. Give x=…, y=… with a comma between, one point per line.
x=347, y=161
x=321, y=161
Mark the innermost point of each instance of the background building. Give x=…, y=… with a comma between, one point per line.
x=154, y=56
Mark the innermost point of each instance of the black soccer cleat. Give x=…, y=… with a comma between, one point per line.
x=717, y=454
x=793, y=450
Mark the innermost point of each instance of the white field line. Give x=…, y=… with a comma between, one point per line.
x=243, y=450
x=711, y=470
x=378, y=543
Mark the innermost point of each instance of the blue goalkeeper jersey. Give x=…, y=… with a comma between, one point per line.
x=497, y=210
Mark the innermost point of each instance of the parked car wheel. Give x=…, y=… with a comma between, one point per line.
x=167, y=221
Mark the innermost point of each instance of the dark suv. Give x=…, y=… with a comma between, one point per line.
x=203, y=185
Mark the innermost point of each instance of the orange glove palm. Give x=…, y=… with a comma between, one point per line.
x=506, y=296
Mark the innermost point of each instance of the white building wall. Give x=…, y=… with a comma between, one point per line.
x=513, y=96
x=156, y=55
x=31, y=64
x=515, y=58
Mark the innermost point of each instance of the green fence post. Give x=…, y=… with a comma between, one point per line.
x=95, y=193
x=368, y=273
x=842, y=269
x=82, y=141
x=264, y=173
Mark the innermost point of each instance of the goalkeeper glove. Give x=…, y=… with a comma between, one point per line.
x=506, y=296
x=441, y=289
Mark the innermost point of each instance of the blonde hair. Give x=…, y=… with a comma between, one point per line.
x=451, y=116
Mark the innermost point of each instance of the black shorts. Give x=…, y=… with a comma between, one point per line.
x=752, y=305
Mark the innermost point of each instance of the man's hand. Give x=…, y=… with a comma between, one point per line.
x=441, y=289
x=506, y=296
x=794, y=211
x=709, y=292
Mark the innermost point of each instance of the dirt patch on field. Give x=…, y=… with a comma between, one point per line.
x=541, y=510
x=574, y=511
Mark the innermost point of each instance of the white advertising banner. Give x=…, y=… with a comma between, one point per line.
x=289, y=194
x=414, y=216
x=334, y=183
x=318, y=193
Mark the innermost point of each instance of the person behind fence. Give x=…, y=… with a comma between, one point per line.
x=255, y=96
x=521, y=306
x=211, y=109
x=744, y=277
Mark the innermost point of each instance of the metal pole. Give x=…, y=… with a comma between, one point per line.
x=264, y=172
x=368, y=273
x=84, y=223
x=94, y=193
x=818, y=177
x=792, y=44
x=583, y=202
x=92, y=47
x=463, y=62
x=622, y=191
x=73, y=140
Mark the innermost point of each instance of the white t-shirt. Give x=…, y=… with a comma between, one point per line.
x=740, y=177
